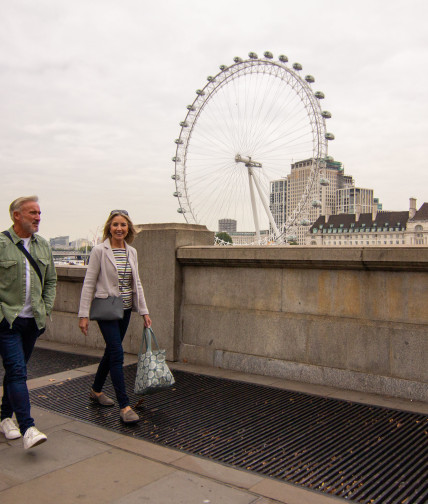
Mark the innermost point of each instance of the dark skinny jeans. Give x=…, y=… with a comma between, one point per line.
x=113, y=332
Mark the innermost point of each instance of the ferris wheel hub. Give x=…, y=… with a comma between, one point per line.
x=248, y=162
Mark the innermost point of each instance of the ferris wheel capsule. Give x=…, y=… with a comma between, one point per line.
x=175, y=177
x=329, y=159
x=178, y=141
x=237, y=59
x=304, y=222
x=326, y=114
x=253, y=55
x=223, y=67
x=310, y=79
x=181, y=210
x=177, y=194
x=316, y=204
x=329, y=136
x=268, y=55
x=297, y=66
x=210, y=78
x=184, y=124
x=191, y=107
x=320, y=95
x=283, y=58
x=324, y=182
x=176, y=159
x=200, y=92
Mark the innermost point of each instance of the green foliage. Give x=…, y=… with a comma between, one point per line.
x=224, y=237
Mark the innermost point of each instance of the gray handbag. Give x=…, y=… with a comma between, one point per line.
x=109, y=308
x=153, y=373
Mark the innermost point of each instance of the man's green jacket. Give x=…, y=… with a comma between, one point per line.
x=13, y=277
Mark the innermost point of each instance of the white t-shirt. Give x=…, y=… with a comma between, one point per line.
x=27, y=311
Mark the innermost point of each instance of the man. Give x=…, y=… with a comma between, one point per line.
x=26, y=298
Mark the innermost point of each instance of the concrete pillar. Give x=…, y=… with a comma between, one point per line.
x=161, y=275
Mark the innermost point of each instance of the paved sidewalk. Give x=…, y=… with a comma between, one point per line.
x=87, y=464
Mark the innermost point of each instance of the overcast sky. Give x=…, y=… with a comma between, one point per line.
x=92, y=93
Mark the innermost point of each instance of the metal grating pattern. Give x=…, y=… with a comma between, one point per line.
x=361, y=453
x=44, y=361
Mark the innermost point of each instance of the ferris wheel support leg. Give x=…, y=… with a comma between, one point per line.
x=253, y=203
x=266, y=207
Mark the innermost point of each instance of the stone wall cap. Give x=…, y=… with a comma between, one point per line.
x=71, y=273
x=169, y=226
x=362, y=258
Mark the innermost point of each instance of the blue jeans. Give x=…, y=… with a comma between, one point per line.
x=113, y=332
x=16, y=346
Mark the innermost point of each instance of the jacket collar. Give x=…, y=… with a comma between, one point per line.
x=107, y=244
x=17, y=239
x=109, y=251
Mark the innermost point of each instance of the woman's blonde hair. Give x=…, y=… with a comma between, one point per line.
x=129, y=238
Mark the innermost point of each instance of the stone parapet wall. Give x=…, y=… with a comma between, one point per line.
x=354, y=318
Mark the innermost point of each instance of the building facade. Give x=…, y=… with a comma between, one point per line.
x=417, y=226
x=60, y=242
x=227, y=226
x=351, y=200
x=247, y=238
x=336, y=194
x=378, y=228
x=278, y=201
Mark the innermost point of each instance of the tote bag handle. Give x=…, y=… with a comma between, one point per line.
x=146, y=340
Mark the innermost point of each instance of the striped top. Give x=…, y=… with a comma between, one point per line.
x=125, y=276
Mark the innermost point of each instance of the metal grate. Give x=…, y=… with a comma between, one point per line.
x=362, y=453
x=44, y=361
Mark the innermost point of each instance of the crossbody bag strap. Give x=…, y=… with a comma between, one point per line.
x=27, y=255
x=124, y=273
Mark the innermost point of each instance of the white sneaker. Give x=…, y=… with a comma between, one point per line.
x=33, y=437
x=9, y=429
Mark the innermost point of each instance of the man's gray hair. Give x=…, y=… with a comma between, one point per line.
x=16, y=205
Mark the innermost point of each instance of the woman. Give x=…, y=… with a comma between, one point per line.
x=113, y=271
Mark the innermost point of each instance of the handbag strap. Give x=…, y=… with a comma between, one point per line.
x=146, y=340
x=122, y=280
x=27, y=255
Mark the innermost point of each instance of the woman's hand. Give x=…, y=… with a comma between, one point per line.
x=147, y=321
x=83, y=325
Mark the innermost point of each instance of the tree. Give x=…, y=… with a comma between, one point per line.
x=224, y=237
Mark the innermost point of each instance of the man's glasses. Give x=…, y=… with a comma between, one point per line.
x=118, y=212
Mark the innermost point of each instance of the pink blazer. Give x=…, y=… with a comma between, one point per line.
x=102, y=279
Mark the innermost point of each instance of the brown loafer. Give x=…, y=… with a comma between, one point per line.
x=101, y=399
x=129, y=416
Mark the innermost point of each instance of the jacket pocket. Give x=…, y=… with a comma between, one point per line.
x=8, y=273
x=42, y=263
